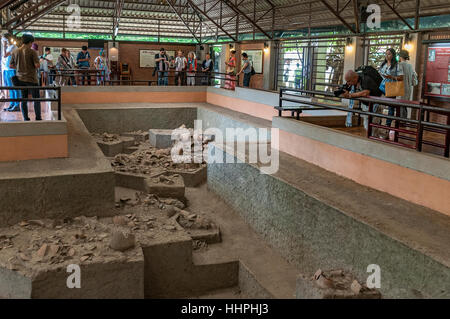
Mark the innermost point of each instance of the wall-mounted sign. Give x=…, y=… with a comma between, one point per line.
x=437, y=79
x=147, y=57
x=256, y=58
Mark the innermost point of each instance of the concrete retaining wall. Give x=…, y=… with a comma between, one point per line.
x=421, y=178
x=215, y=117
x=120, y=120
x=56, y=197
x=313, y=234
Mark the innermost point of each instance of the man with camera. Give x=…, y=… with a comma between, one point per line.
x=162, y=67
x=363, y=83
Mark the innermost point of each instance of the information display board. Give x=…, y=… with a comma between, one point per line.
x=437, y=78
x=147, y=57
x=256, y=58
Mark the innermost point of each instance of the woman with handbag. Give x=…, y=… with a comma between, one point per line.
x=230, y=83
x=392, y=84
x=62, y=65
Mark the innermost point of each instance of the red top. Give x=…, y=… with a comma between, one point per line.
x=191, y=64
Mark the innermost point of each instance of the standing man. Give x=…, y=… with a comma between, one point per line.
x=26, y=62
x=287, y=72
x=8, y=73
x=83, y=62
x=246, y=69
x=162, y=66
x=72, y=81
x=4, y=46
x=207, y=67
x=298, y=77
x=48, y=62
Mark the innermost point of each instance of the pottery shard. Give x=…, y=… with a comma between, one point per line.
x=317, y=274
x=53, y=250
x=24, y=257
x=36, y=222
x=42, y=251
x=120, y=220
x=324, y=283
x=170, y=211
x=356, y=287
x=121, y=242
x=338, y=272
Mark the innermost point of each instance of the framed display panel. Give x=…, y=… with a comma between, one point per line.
x=256, y=57
x=147, y=57
x=436, y=84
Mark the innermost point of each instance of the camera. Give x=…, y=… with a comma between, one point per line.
x=342, y=89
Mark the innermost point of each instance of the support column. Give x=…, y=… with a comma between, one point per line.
x=270, y=67
x=354, y=57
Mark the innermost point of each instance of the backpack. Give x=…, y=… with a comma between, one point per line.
x=371, y=72
x=253, y=70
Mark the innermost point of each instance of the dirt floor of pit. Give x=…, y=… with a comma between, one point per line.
x=239, y=241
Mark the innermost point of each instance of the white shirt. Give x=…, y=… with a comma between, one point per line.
x=4, y=44
x=10, y=49
x=180, y=63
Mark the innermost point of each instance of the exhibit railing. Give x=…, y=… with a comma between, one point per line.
x=98, y=77
x=404, y=128
x=54, y=89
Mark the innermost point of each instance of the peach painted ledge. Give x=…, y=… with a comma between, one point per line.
x=20, y=148
x=132, y=97
x=411, y=185
x=239, y=105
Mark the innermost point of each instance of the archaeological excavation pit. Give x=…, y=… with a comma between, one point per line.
x=260, y=153
x=193, y=230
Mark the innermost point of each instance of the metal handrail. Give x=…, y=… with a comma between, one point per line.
x=421, y=124
x=45, y=88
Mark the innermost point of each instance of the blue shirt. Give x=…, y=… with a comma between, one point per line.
x=82, y=55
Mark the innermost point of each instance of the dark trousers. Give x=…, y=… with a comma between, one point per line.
x=247, y=78
x=51, y=76
x=180, y=78
x=84, y=76
x=35, y=94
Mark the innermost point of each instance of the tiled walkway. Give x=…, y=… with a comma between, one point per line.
x=17, y=116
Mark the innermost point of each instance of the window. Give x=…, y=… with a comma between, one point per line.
x=316, y=64
x=375, y=48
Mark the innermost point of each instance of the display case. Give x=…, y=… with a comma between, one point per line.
x=436, y=84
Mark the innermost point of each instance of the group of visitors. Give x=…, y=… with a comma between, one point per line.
x=62, y=70
x=187, y=69
x=231, y=75
x=368, y=82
